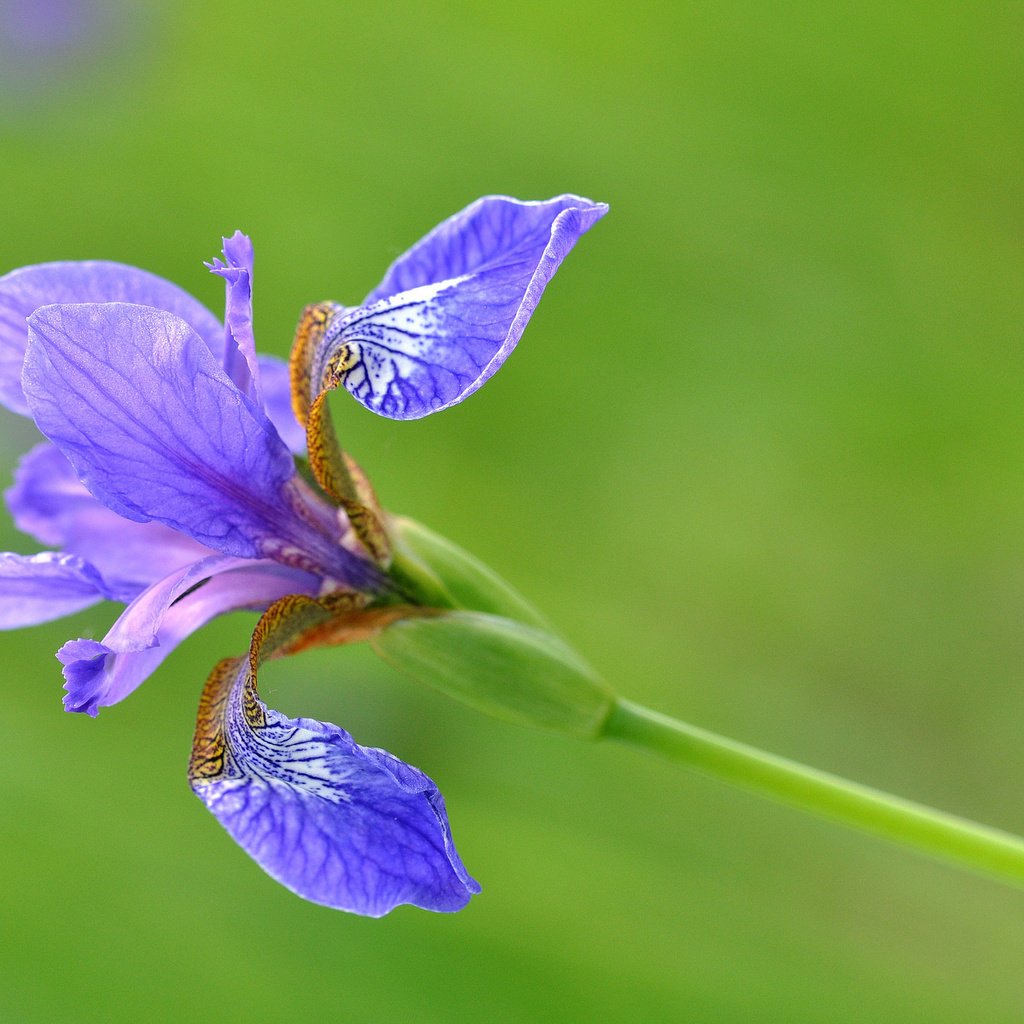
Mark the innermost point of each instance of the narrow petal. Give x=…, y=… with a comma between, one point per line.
x=99, y=674
x=277, y=402
x=347, y=826
x=308, y=355
x=23, y=291
x=50, y=503
x=240, y=361
x=40, y=588
x=343, y=479
x=450, y=311
x=157, y=431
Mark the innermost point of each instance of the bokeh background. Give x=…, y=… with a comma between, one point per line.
x=759, y=456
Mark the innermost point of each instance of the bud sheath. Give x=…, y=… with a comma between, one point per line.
x=501, y=667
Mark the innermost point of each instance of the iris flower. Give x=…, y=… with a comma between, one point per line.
x=169, y=483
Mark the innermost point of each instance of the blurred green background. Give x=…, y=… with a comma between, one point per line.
x=759, y=457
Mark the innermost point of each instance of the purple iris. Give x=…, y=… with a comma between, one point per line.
x=168, y=483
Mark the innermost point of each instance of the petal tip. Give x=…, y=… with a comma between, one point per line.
x=84, y=664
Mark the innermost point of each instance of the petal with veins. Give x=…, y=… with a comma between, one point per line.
x=23, y=291
x=49, y=502
x=101, y=674
x=157, y=431
x=451, y=310
x=347, y=826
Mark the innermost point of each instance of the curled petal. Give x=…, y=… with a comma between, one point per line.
x=343, y=479
x=24, y=291
x=450, y=311
x=240, y=361
x=157, y=431
x=308, y=355
x=99, y=674
x=347, y=826
x=49, y=502
x=337, y=473
x=39, y=588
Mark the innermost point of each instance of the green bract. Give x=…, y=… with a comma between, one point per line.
x=458, y=579
x=507, y=669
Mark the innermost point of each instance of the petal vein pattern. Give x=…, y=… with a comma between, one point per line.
x=153, y=426
x=450, y=311
x=157, y=431
x=23, y=291
x=49, y=502
x=347, y=826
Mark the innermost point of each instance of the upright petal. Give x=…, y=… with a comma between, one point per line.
x=347, y=826
x=23, y=291
x=240, y=361
x=157, y=431
x=50, y=503
x=450, y=311
x=101, y=674
x=40, y=588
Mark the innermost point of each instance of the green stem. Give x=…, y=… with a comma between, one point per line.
x=977, y=847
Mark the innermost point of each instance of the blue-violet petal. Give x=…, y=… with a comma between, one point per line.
x=24, y=291
x=39, y=588
x=50, y=503
x=347, y=826
x=240, y=361
x=451, y=310
x=99, y=674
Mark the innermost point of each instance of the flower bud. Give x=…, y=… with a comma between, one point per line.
x=504, y=668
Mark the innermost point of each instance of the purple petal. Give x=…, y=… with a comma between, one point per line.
x=493, y=230
x=101, y=674
x=450, y=311
x=23, y=291
x=347, y=826
x=240, y=362
x=49, y=502
x=277, y=402
x=157, y=431
x=39, y=588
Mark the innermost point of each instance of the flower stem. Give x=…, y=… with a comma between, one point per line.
x=979, y=848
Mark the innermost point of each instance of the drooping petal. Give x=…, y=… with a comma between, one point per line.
x=157, y=431
x=24, y=291
x=47, y=586
x=347, y=826
x=240, y=361
x=49, y=502
x=99, y=674
x=277, y=402
x=449, y=312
